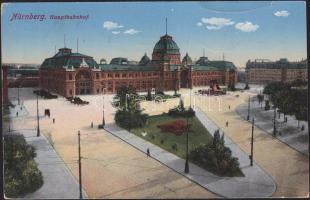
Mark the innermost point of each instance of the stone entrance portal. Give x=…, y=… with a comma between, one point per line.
x=184, y=79
x=83, y=82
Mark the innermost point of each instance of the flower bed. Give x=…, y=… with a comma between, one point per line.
x=177, y=127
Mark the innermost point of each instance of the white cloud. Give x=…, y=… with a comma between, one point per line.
x=246, y=26
x=131, y=31
x=116, y=32
x=216, y=23
x=109, y=25
x=282, y=13
x=199, y=24
x=213, y=27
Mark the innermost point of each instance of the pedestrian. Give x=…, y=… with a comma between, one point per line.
x=16, y=114
x=91, y=125
x=229, y=107
x=226, y=123
x=148, y=152
x=53, y=120
x=21, y=108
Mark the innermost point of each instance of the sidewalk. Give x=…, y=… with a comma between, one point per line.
x=58, y=182
x=290, y=134
x=256, y=182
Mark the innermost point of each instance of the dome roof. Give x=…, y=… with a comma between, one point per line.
x=103, y=61
x=119, y=61
x=187, y=60
x=144, y=60
x=166, y=45
x=203, y=61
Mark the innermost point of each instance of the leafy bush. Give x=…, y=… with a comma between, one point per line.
x=174, y=147
x=21, y=175
x=128, y=120
x=162, y=141
x=180, y=111
x=216, y=157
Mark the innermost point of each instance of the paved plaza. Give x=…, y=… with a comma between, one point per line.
x=113, y=169
x=291, y=134
x=110, y=167
x=255, y=183
x=287, y=167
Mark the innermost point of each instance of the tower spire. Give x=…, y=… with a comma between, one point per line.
x=223, y=57
x=166, y=26
x=77, y=45
x=203, y=52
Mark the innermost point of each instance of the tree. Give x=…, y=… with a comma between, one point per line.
x=21, y=175
x=298, y=83
x=124, y=94
x=267, y=106
x=300, y=107
x=260, y=98
x=129, y=115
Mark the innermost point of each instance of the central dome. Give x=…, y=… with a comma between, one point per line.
x=166, y=45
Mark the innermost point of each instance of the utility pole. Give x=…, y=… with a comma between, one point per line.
x=248, y=117
x=18, y=94
x=38, y=128
x=274, y=122
x=186, y=170
x=103, y=121
x=252, y=140
x=80, y=165
x=190, y=98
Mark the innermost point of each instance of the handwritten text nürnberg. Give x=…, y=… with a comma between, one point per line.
x=19, y=16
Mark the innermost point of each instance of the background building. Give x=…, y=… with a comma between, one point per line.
x=262, y=71
x=70, y=74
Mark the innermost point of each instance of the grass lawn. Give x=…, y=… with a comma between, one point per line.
x=198, y=134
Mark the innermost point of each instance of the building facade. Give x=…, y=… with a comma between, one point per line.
x=262, y=71
x=70, y=74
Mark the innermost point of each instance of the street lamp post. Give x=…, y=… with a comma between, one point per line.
x=252, y=141
x=248, y=117
x=103, y=121
x=38, y=128
x=80, y=165
x=186, y=170
x=18, y=94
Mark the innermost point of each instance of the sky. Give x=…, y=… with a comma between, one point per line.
x=233, y=31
